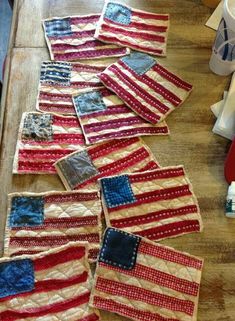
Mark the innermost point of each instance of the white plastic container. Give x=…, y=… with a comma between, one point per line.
x=230, y=203
x=222, y=60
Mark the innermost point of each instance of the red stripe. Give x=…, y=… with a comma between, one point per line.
x=36, y=154
x=56, y=104
x=170, y=230
x=157, y=277
x=26, y=252
x=55, y=96
x=84, y=19
x=89, y=68
x=153, y=216
x=54, y=240
x=93, y=253
x=132, y=34
x=42, y=167
x=85, y=84
x=90, y=317
x=169, y=254
x=76, y=34
x=157, y=174
x=171, y=97
x=133, y=292
x=51, y=260
x=51, y=285
x=140, y=91
x=111, y=110
x=149, y=166
x=148, y=15
x=112, y=39
x=66, y=121
x=57, y=109
x=88, y=44
x=71, y=197
x=129, y=99
x=155, y=196
x=11, y=315
x=171, y=77
x=69, y=139
x=129, y=312
x=130, y=132
x=139, y=26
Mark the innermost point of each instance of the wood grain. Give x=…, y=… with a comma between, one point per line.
x=191, y=142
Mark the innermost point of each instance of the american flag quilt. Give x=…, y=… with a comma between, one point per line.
x=48, y=286
x=136, y=29
x=60, y=80
x=104, y=116
x=145, y=86
x=39, y=222
x=43, y=139
x=83, y=168
x=72, y=38
x=145, y=281
x=156, y=204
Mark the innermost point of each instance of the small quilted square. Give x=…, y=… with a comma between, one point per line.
x=139, y=30
x=26, y=211
x=38, y=222
x=156, y=204
x=54, y=285
x=72, y=38
x=145, y=86
x=89, y=102
x=56, y=73
x=162, y=284
x=37, y=127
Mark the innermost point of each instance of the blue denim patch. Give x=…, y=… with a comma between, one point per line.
x=119, y=249
x=56, y=73
x=139, y=62
x=16, y=277
x=26, y=211
x=117, y=191
x=118, y=13
x=58, y=27
x=89, y=103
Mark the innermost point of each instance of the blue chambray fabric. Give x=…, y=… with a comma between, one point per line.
x=119, y=249
x=139, y=62
x=58, y=27
x=88, y=103
x=56, y=73
x=26, y=211
x=117, y=191
x=16, y=277
x=118, y=13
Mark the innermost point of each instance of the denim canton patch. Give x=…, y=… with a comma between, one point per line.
x=16, y=277
x=139, y=62
x=119, y=249
x=58, y=27
x=56, y=73
x=88, y=103
x=117, y=191
x=118, y=13
x=38, y=127
x=26, y=211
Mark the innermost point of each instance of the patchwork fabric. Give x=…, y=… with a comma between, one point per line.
x=59, y=218
x=37, y=127
x=54, y=285
x=114, y=121
x=72, y=38
x=136, y=29
x=161, y=284
x=81, y=169
x=149, y=89
x=37, y=156
x=156, y=204
x=55, y=91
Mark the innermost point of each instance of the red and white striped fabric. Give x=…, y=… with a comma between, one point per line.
x=83, y=169
x=150, y=89
x=72, y=38
x=114, y=121
x=136, y=29
x=159, y=283
x=65, y=217
x=156, y=204
x=57, y=286
x=35, y=156
x=56, y=97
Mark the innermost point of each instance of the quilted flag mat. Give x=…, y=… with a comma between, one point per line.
x=104, y=116
x=83, y=169
x=53, y=285
x=136, y=29
x=39, y=222
x=155, y=204
x=147, y=281
x=43, y=139
x=72, y=38
x=60, y=80
x=145, y=86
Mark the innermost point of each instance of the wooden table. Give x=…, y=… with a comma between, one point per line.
x=191, y=142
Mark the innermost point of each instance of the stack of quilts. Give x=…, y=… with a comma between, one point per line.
x=87, y=129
